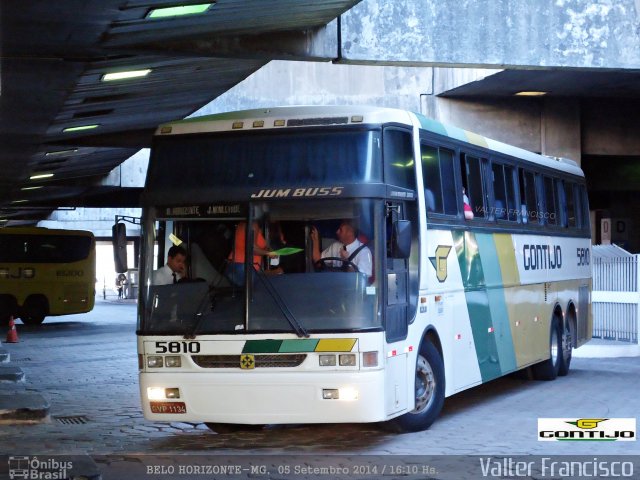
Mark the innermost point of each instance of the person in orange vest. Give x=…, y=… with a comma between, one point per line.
x=235, y=268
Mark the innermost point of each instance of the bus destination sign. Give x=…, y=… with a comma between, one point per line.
x=214, y=210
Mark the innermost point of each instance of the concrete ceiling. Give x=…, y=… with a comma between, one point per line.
x=52, y=59
x=557, y=83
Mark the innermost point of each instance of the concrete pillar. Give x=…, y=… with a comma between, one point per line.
x=560, y=128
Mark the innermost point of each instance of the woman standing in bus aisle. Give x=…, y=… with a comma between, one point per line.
x=348, y=248
x=235, y=267
x=174, y=270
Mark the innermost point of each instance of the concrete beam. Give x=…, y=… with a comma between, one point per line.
x=314, y=44
x=493, y=33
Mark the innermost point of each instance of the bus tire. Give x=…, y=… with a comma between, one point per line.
x=7, y=309
x=429, y=388
x=567, y=346
x=34, y=310
x=548, y=369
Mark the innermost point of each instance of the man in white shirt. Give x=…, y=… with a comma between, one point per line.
x=174, y=270
x=344, y=248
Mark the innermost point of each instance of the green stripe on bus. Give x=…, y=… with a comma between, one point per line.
x=497, y=302
x=432, y=125
x=477, y=304
x=262, y=346
x=303, y=345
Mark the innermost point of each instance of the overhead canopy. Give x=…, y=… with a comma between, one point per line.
x=54, y=58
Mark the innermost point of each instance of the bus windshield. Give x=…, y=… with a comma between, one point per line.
x=287, y=290
x=259, y=160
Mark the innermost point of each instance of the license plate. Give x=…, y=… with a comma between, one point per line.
x=168, y=407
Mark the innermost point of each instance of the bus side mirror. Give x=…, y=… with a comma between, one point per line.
x=401, y=239
x=119, y=241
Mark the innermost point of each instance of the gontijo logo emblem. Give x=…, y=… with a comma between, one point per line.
x=587, y=429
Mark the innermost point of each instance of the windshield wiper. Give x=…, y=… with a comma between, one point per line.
x=198, y=317
x=277, y=298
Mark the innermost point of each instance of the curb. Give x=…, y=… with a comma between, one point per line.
x=21, y=408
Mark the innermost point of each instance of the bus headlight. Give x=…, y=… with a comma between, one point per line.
x=327, y=360
x=172, y=392
x=155, y=393
x=154, y=361
x=330, y=394
x=172, y=361
x=348, y=360
x=344, y=393
x=348, y=394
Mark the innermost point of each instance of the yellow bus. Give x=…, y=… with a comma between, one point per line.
x=46, y=272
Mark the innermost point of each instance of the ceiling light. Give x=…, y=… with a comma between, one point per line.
x=38, y=176
x=31, y=188
x=179, y=11
x=20, y=201
x=61, y=152
x=530, y=94
x=108, y=77
x=79, y=128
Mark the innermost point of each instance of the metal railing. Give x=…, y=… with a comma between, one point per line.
x=615, y=298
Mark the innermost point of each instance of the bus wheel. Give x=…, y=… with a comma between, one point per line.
x=548, y=370
x=34, y=310
x=7, y=309
x=223, y=428
x=567, y=347
x=429, y=388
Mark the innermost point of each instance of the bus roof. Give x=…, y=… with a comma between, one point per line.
x=306, y=116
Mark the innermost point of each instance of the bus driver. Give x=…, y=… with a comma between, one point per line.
x=348, y=248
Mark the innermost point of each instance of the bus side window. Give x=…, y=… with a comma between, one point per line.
x=472, y=182
x=582, y=207
x=504, y=193
x=528, y=203
x=569, y=188
x=439, y=180
x=551, y=201
x=398, y=158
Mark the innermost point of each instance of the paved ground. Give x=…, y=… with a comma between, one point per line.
x=87, y=367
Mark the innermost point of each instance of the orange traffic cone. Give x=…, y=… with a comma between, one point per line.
x=12, y=334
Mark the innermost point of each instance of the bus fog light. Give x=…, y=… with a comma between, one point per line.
x=154, y=361
x=172, y=361
x=370, y=359
x=330, y=394
x=155, y=393
x=172, y=392
x=348, y=394
x=327, y=360
x=348, y=360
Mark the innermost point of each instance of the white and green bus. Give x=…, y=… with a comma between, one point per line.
x=479, y=256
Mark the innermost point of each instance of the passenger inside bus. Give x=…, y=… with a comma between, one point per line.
x=235, y=268
x=468, y=212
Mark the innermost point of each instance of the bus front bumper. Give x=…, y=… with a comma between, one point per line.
x=256, y=398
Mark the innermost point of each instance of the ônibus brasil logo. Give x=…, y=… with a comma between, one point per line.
x=587, y=429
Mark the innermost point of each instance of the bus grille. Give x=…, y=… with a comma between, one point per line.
x=262, y=361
